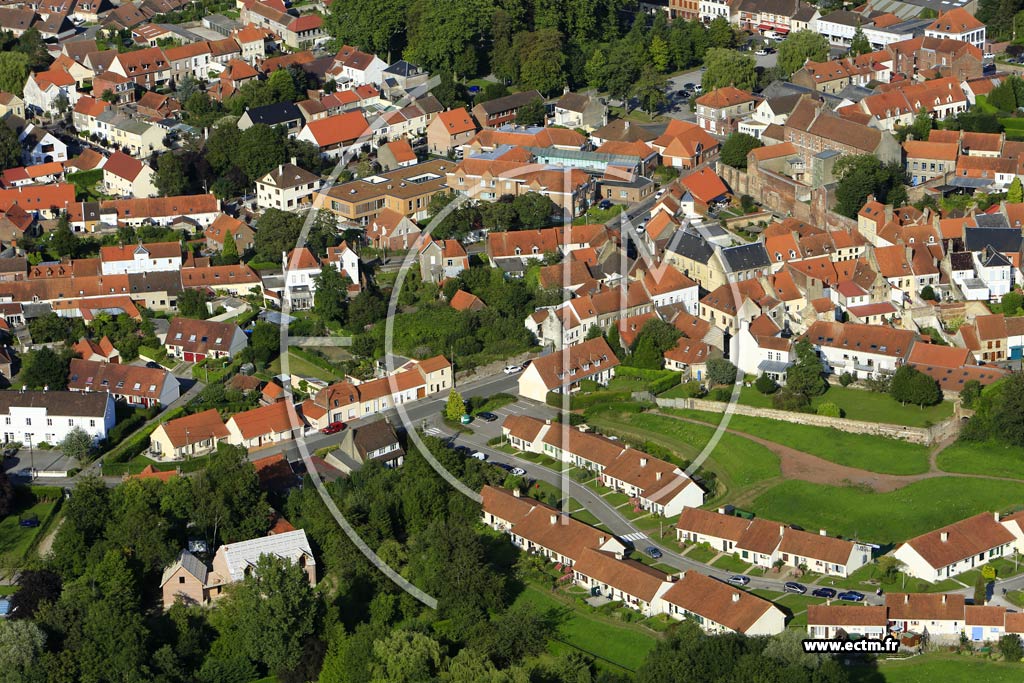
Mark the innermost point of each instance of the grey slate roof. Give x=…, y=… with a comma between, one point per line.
x=513, y=101
x=745, y=257
x=692, y=246
x=274, y=114
x=69, y=403
x=1001, y=239
x=991, y=220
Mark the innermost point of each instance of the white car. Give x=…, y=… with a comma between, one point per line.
x=659, y=194
x=512, y=369
x=478, y=455
x=761, y=53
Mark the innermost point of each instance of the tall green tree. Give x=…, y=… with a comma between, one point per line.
x=800, y=46
x=455, y=407
x=45, y=368
x=192, y=304
x=806, y=375
x=330, y=296
x=10, y=149
x=63, y=241
x=542, y=59
x=1015, y=193
x=728, y=67
x=14, y=68
x=532, y=113
x=860, y=45
x=171, y=177
x=650, y=90
x=736, y=148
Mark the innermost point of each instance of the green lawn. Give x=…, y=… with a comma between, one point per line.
x=869, y=406
x=628, y=384
x=731, y=564
x=868, y=578
x=866, y=452
x=621, y=644
x=1016, y=597
x=701, y=553
x=15, y=540
x=939, y=668
x=302, y=367
x=991, y=458
x=738, y=462
x=581, y=513
x=615, y=498
x=885, y=517
x=599, y=215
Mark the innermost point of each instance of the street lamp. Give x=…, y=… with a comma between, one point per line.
x=31, y=455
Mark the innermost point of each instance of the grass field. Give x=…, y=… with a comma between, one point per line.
x=738, y=462
x=731, y=564
x=872, y=453
x=599, y=215
x=991, y=458
x=885, y=517
x=623, y=644
x=701, y=553
x=15, y=540
x=935, y=668
x=302, y=367
x=859, y=404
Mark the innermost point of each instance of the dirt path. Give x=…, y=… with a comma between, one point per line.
x=44, y=545
x=797, y=464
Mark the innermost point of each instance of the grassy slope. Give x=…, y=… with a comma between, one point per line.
x=934, y=668
x=993, y=459
x=869, y=406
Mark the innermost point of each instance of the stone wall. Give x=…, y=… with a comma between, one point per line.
x=920, y=435
x=491, y=369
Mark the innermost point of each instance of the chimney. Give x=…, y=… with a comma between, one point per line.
x=995, y=515
x=944, y=536
x=943, y=598
x=547, y=422
x=643, y=462
x=906, y=598
x=516, y=493
x=601, y=540
x=822, y=532
x=735, y=597
x=294, y=161
x=782, y=529
x=721, y=511
x=554, y=519
x=657, y=476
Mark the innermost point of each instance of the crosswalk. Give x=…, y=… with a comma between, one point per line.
x=633, y=538
x=434, y=431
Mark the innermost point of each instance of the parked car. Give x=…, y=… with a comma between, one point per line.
x=503, y=465
x=462, y=450
x=761, y=53
x=512, y=369
x=518, y=471
x=333, y=428
x=29, y=521
x=605, y=204
x=487, y=417
x=652, y=552
x=10, y=452
x=824, y=593
x=794, y=587
x=738, y=580
x=479, y=455
x=851, y=596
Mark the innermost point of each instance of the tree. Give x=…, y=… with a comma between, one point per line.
x=541, y=61
x=660, y=56
x=282, y=85
x=1012, y=302
x=910, y=385
x=650, y=89
x=1011, y=648
x=721, y=33
x=455, y=407
x=721, y=371
x=229, y=253
x=443, y=37
x=534, y=210
x=920, y=128
x=77, y=444
x=533, y=113
x=889, y=568
x=21, y=643
x=980, y=590
x=63, y=240
x=264, y=343
x=1015, y=193
x=6, y=495
x=14, y=69
x=405, y=657
x=271, y=614
x=970, y=393
x=44, y=368
x=192, y=304
x=860, y=45
x=35, y=586
x=10, y=149
x=728, y=67
x=367, y=308
x=614, y=342
x=228, y=504
x=655, y=338
x=805, y=376
x=373, y=25
x=261, y=149
x=800, y=46
x=330, y=295
x=863, y=175
x=736, y=148
x=171, y=177
x=829, y=409
x=765, y=384
x=276, y=233
x=928, y=293
x=793, y=401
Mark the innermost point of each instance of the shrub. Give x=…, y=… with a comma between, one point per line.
x=846, y=379
x=794, y=401
x=765, y=384
x=721, y=371
x=928, y=294
x=829, y=409
x=574, y=418
x=723, y=394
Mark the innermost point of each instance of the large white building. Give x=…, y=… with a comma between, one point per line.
x=33, y=417
x=957, y=548
x=140, y=258
x=861, y=350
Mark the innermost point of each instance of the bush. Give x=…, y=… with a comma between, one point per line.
x=721, y=371
x=765, y=384
x=829, y=409
x=574, y=418
x=723, y=394
x=846, y=379
x=928, y=294
x=793, y=401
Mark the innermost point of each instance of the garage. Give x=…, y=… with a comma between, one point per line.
x=194, y=357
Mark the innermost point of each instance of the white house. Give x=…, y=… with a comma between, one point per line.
x=654, y=485
x=44, y=90
x=836, y=621
x=861, y=350
x=353, y=68
x=301, y=268
x=40, y=146
x=345, y=261
x=34, y=417
x=940, y=614
x=719, y=608
x=140, y=258
x=126, y=176
x=712, y=9
x=591, y=360
x=286, y=188
x=958, y=24
x=956, y=548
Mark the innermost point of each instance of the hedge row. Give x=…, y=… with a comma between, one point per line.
x=139, y=442
x=658, y=381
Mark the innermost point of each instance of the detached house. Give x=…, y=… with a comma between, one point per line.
x=720, y=608
x=196, y=340
x=719, y=111
x=286, y=188
x=188, y=437
x=450, y=130
x=126, y=176
x=264, y=426
x=442, y=259
x=591, y=360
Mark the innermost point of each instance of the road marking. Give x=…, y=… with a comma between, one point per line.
x=639, y=536
x=433, y=431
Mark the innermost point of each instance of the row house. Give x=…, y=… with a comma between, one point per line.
x=155, y=256
x=812, y=129
x=772, y=18
x=194, y=340
x=351, y=399
x=763, y=542
x=942, y=98
x=568, y=323
x=719, y=608
x=948, y=57
x=832, y=77
x=139, y=138
x=926, y=160
x=337, y=136
x=499, y=111
x=862, y=350
x=148, y=68
x=993, y=337
x=49, y=416
x=561, y=373
x=203, y=209
x=265, y=426
x=490, y=179
x=353, y=68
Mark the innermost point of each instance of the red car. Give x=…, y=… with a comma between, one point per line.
x=333, y=428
